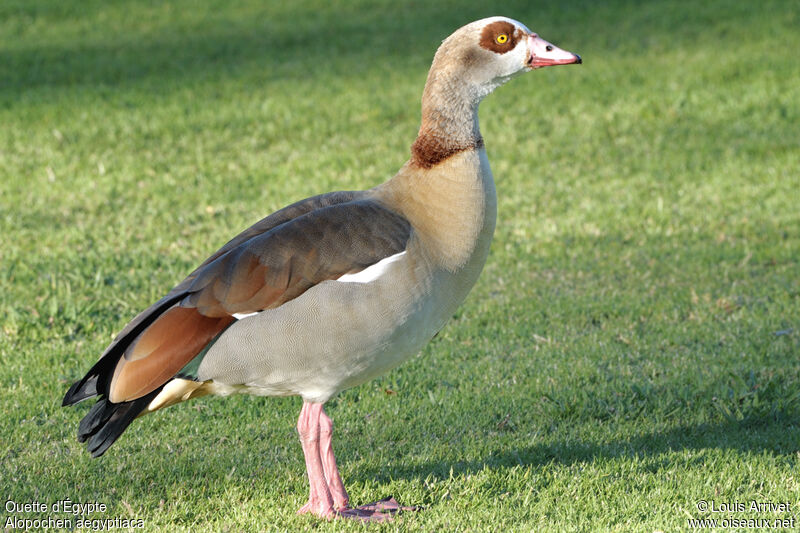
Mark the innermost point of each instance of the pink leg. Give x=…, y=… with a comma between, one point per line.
x=327, y=496
x=320, y=501
x=335, y=485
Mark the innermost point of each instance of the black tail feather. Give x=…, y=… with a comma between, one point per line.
x=106, y=421
x=95, y=418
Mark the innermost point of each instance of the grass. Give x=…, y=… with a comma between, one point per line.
x=630, y=349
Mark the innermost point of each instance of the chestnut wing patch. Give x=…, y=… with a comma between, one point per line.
x=162, y=350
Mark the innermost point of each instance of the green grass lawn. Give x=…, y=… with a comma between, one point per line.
x=632, y=347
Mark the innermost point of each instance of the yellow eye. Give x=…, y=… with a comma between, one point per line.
x=502, y=38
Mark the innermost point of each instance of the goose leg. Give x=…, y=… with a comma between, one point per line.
x=335, y=485
x=320, y=501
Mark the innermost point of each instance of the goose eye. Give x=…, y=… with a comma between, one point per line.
x=502, y=38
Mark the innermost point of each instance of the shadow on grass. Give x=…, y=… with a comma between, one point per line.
x=779, y=436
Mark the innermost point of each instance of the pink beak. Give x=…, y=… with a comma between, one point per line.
x=544, y=54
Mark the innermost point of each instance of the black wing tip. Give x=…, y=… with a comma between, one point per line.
x=80, y=390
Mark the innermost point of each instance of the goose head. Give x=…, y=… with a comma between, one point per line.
x=486, y=53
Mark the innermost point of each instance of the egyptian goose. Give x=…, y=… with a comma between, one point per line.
x=333, y=290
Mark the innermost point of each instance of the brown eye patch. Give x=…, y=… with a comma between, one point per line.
x=491, y=37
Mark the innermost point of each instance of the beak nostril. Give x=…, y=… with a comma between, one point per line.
x=549, y=47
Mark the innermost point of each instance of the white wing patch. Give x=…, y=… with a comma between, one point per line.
x=239, y=316
x=372, y=272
